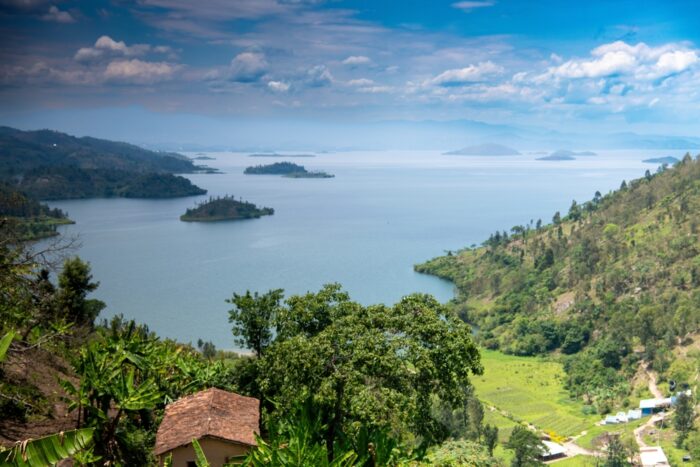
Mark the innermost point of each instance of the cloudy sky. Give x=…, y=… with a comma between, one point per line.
x=175, y=70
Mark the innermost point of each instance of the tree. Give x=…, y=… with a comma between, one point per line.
x=527, y=447
x=75, y=283
x=490, y=438
x=374, y=366
x=615, y=452
x=253, y=318
x=684, y=418
x=476, y=417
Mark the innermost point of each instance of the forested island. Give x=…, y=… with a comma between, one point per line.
x=48, y=165
x=223, y=209
x=286, y=169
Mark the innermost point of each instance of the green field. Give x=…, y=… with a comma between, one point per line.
x=529, y=390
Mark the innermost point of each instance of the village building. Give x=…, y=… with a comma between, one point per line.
x=224, y=423
x=651, y=406
x=552, y=451
x=653, y=457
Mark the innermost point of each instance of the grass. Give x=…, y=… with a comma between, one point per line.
x=530, y=390
x=576, y=461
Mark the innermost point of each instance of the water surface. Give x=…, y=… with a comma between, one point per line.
x=365, y=228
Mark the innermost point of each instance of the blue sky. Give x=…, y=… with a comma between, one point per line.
x=173, y=70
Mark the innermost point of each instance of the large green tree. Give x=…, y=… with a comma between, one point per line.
x=253, y=316
x=527, y=447
x=75, y=283
x=684, y=418
x=372, y=366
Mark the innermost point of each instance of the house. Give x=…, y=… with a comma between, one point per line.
x=653, y=457
x=611, y=420
x=552, y=451
x=650, y=406
x=621, y=417
x=634, y=414
x=224, y=423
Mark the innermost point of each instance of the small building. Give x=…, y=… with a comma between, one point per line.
x=621, y=417
x=611, y=420
x=553, y=451
x=634, y=414
x=650, y=406
x=653, y=457
x=224, y=423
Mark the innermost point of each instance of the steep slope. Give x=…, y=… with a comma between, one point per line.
x=617, y=280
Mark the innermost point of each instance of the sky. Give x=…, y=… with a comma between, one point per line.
x=276, y=72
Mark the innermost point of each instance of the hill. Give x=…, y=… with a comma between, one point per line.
x=48, y=164
x=488, y=149
x=222, y=209
x=570, y=153
x=614, y=282
x=670, y=160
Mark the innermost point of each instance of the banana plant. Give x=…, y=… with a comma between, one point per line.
x=5, y=342
x=47, y=451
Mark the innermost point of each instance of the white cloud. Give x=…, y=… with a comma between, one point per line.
x=470, y=74
x=140, y=72
x=360, y=82
x=57, y=16
x=106, y=47
x=318, y=76
x=247, y=67
x=278, y=86
x=356, y=60
x=468, y=6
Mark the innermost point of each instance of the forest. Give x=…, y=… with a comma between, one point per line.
x=47, y=165
x=286, y=169
x=608, y=287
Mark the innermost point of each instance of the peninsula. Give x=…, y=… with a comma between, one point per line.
x=286, y=169
x=223, y=209
x=49, y=165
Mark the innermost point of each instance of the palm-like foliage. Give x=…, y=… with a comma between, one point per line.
x=47, y=451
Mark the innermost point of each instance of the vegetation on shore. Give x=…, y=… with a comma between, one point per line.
x=48, y=165
x=29, y=218
x=286, y=169
x=613, y=283
x=224, y=208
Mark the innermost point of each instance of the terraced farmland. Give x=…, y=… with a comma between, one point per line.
x=530, y=390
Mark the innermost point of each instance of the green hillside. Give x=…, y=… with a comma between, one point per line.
x=615, y=281
x=48, y=164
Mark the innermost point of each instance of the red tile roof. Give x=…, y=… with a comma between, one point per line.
x=214, y=413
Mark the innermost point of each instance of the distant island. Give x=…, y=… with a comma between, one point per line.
x=569, y=153
x=274, y=154
x=224, y=209
x=286, y=169
x=49, y=165
x=670, y=160
x=204, y=158
x=554, y=157
x=488, y=149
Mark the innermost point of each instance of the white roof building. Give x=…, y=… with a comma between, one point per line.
x=653, y=457
x=655, y=403
x=553, y=449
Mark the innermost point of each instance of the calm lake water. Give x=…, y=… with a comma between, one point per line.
x=365, y=228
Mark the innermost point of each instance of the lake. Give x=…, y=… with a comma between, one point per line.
x=365, y=228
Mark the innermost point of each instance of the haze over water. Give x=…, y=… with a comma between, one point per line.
x=365, y=228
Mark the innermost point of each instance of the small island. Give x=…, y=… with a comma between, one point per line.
x=286, y=169
x=274, y=154
x=670, y=160
x=224, y=208
x=203, y=158
x=569, y=153
x=488, y=149
x=555, y=157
